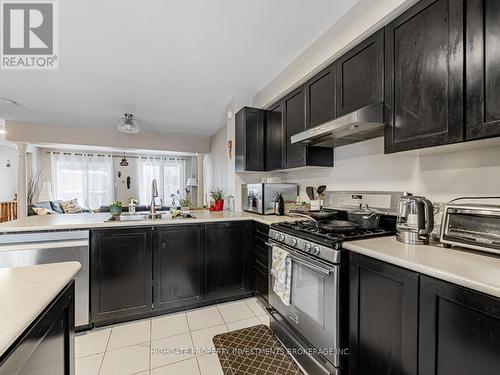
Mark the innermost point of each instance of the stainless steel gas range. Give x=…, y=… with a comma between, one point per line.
x=312, y=326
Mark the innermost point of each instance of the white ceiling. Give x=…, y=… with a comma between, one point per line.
x=175, y=64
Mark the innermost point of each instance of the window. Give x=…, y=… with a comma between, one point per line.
x=86, y=177
x=170, y=175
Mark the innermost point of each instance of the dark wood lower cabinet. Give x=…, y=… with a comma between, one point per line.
x=121, y=274
x=459, y=330
x=179, y=268
x=402, y=322
x=227, y=263
x=261, y=261
x=383, y=318
x=48, y=345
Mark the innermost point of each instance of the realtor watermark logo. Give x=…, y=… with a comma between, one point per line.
x=29, y=34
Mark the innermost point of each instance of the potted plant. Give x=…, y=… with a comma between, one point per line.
x=217, y=195
x=185, y=204
x=115, y=208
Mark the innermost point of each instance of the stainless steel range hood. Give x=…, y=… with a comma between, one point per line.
x=365, y=123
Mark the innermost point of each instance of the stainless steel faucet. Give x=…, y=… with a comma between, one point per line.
x=154, y=194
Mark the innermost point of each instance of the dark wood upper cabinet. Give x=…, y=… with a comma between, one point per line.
x=320, y=97
x=360, y=75
x=250, y=140
x=227, y=263
x=482, y=69
x=459, y=331
x=274, y=137
x=179, y=263
x=424, y=70
x=294, y=122
x=383, y=318
x=121, y=277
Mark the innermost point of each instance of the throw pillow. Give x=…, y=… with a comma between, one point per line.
x=71, y=207
x=43, y=211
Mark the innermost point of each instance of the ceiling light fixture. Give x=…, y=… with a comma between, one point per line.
x=128, y=124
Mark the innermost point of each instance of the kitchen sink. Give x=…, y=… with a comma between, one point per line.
x=145, y=216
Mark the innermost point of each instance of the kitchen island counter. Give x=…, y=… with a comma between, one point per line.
x=25, y=292
x=99, y=220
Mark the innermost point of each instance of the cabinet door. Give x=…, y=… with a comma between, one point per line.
x=250, y=140
x=424, y=76
x=178, y=266
x=294, y=122
x=360, y=75
x=121, y=273
x=459, y=330
x=383, y=318
x=274, y=137
x=483, y=69
x=227, y=262
x=320, y=97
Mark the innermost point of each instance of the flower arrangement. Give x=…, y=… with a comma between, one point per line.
x=217, y=195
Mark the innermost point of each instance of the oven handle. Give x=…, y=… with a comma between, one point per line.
x=324, y=270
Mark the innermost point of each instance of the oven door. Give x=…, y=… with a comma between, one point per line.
x=314, y=303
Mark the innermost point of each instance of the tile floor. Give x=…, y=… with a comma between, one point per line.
x=179, y=343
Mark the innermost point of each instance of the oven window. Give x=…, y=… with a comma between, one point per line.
x=308, y=290
x=469, y=225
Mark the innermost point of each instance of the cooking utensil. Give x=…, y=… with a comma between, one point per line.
x=310, y=192
x=336, y=226
x=321, y=191
x=319, y=215
x=366, y=218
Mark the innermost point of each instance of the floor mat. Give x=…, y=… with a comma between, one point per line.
x=252, y=351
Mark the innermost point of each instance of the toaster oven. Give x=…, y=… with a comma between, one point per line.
x=473, y=226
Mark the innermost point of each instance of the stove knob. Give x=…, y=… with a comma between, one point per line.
x=282, y=237
x=276, y=236
x=307, y=247
x=315, y=250
x=294, y=242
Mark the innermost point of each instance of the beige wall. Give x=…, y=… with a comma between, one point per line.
x=100, y=137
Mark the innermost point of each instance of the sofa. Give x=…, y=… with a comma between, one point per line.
x=51, y=205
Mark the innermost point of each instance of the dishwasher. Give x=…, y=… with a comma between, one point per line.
x=28, y=249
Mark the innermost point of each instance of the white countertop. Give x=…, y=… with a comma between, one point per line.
x=25, y=292
x=472, y=269
x=98, y=220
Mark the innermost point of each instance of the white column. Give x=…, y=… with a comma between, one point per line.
x=201, y=194
x=22, y=188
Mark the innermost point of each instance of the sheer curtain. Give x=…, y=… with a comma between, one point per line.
x=170, y=174
x=86, y=177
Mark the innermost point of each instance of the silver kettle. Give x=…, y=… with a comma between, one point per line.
x=415, y=220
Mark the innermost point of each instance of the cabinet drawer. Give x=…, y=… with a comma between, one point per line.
x=261, y=230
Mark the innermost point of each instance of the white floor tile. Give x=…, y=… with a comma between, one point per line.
x=255, y=306
x=92, y=342
x=189, y=367
x=245, y=323
x=171, y=349
x=210, y=365
x=202, y=339
x=264, y=319
x=169, y=325
x=128, y=360
x=204, y=318
x=130, y=334
x=235, y=311
x=88, y=365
